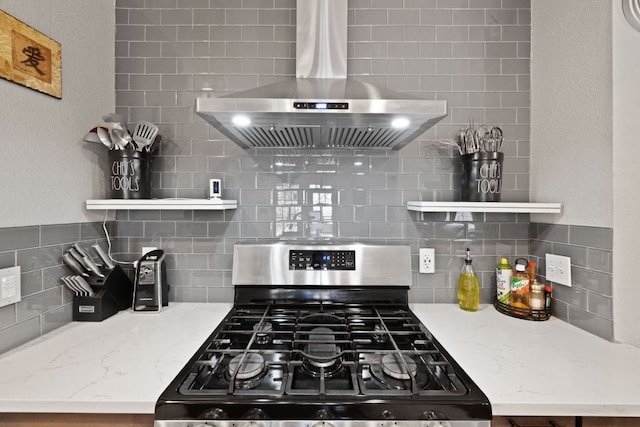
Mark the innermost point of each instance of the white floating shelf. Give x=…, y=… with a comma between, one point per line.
x=162, y=204
x=504, y=207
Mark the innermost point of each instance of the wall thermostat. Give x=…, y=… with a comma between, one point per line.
x=214, y=189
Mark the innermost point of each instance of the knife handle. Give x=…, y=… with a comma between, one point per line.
x=73, y=264
x=76, y=255
x=80, y=250
x=103, y=257
x=88, y=262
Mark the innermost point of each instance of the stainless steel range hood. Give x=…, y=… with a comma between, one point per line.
x=321, y=108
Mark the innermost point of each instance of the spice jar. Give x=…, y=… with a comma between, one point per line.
x=520, y=285
x=536, y=296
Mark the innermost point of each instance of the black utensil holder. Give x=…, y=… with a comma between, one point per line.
x=481, y=177
x=130, y=174
x=114, y=293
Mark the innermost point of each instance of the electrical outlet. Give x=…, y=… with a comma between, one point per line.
x=558, y=269
x=427, y=260
x=147, y=249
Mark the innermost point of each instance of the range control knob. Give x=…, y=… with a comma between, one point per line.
x=256, y=414
x=437, y=419
x=322, y=424
x=214, y=414
x=323, y=414
x=432, y=415
x=388, y=415
x=390, y=419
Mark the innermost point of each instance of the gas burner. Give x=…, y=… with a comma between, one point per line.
x=264, y=332
x=393, y=365
x=390, y=373
x=250, y=373
x=321, y=319
x=322, y=354
x=380, y=334
x=324, y=369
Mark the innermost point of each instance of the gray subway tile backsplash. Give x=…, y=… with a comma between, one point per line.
x=588, y=302
x=31, y=283
x=19, y=333
x=7, y=316
x=45, y=303
x=19, y=238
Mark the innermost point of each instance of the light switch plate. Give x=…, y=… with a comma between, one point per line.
x=10, y=286
x=558, y=269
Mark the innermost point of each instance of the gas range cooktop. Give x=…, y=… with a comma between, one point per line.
x=325, y=346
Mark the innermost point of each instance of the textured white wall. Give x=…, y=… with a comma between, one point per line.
x=571, y=110
x=47, y=172
x=626, y=178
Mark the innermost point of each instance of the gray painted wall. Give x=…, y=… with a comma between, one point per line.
x=47, y=171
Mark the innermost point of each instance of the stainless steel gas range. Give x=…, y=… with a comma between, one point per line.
x=321, y=335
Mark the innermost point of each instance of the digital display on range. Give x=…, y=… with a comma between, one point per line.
x=321, y=105
x=322, y=260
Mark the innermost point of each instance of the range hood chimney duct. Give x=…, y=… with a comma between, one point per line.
x=321, y=39
x=321, y=108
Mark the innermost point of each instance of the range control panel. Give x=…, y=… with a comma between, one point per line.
x=321, y=105
x=322, y=260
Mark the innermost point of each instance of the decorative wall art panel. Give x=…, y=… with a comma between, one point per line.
x=28, y=57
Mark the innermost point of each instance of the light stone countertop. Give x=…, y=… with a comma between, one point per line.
x=120, y=365
x=123, y=364
x=538, y=368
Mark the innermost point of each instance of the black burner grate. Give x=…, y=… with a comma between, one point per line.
x=322, y=349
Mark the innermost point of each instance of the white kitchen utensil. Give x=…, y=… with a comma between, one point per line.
x=450, y=143
x=114, y=118
x=120, y=138
x=92, y=136
x=144, y=134
x=103, y=135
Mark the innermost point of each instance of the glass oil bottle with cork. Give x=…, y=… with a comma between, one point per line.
x=468, y=287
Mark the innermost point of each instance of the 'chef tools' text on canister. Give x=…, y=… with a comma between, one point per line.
x=130, y=174
x=481, y=177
